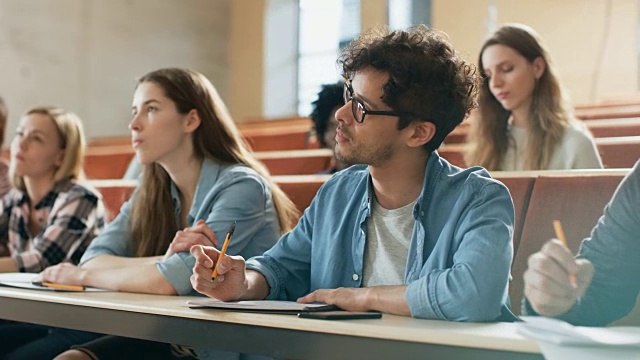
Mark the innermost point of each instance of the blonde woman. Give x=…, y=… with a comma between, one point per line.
x=524, y=121
x=49, y=217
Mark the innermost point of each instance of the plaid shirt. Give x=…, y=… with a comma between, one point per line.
x=5, y=183
x=70, y=216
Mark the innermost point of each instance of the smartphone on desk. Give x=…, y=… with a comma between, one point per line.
x=339, y=315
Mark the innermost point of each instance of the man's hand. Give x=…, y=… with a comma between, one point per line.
x=230, y=284
x=547, y=280
x=350, y=299
x=199, y=234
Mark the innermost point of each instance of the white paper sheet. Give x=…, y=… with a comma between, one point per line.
x=560, y=340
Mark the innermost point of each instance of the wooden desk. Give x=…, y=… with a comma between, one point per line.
x=167, y=319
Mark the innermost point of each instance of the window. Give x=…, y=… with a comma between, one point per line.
x=324, y=27
x=404, y=13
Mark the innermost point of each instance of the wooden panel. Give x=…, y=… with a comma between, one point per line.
x=108, y=162
x=301, y=189
x=576, y=200
x=296, y=162
x=619, y=152
x=520, y=188
x=114, y=194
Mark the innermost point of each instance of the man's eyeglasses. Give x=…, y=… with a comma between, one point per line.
x=358, y=109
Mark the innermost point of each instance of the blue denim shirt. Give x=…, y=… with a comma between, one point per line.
x=224, y=193
x=460, y=252
x=614, y=250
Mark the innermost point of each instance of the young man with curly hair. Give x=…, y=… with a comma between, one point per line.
x=406, y=233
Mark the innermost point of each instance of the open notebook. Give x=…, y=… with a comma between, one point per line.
x=25, y=281
x=266, y=306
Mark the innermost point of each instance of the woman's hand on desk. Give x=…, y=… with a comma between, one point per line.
x=64, y=273
x=547, y=281
x=199, y=234
x=231, y=282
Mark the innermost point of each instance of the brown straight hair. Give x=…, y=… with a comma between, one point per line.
x=153, y=224
x=549, y=115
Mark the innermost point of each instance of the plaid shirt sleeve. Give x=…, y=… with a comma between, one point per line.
x=5, y=211
x=74, y=220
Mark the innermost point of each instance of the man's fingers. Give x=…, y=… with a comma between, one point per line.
x=556, y=250
x=550, y=271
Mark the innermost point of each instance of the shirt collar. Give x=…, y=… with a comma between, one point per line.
x=208, y=177
x=432, y=171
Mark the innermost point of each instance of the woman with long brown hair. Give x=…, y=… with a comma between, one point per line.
x=198, y=176
x=524, y=120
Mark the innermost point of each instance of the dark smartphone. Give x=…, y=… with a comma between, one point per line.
x=339, y=315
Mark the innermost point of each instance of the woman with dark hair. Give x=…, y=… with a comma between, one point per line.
x=198, y=178
x=524, y=120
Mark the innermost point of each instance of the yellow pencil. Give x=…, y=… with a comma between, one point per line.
x=557, y=226
x=60, y=286
x=224, y=249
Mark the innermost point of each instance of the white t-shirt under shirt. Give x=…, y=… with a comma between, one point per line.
x=387, y=246
x=577, y=150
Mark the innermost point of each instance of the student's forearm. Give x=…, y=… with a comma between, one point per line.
x=257, y=286
x=110, y=261
x=139, y=279
x=388, y=299
x=8, y=264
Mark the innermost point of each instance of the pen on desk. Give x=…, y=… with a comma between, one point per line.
x=557, y=226
x=224, y=249
x=60, y=286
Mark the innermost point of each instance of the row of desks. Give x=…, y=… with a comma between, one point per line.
x=168, y=319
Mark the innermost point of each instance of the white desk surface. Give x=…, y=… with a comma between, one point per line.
x=501, y=337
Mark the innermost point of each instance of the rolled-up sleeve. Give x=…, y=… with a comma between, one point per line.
x=474, y=288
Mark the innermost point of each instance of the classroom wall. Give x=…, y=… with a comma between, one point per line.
x=573, y=30
x=85, y=55
x=246, y=59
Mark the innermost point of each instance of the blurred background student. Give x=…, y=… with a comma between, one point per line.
x=49, y=217
x=330, y=99
x=5, y=184
x=524, y=120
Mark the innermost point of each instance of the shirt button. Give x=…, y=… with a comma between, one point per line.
x=355, y=277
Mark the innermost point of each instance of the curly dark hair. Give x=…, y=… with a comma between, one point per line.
x=427, y=77
x=329, y=98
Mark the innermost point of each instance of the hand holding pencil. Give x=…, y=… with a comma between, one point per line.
x=223, y=251
x=218, y=275
x=554, y=279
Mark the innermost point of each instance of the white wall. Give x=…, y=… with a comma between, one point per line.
x=85, y=55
